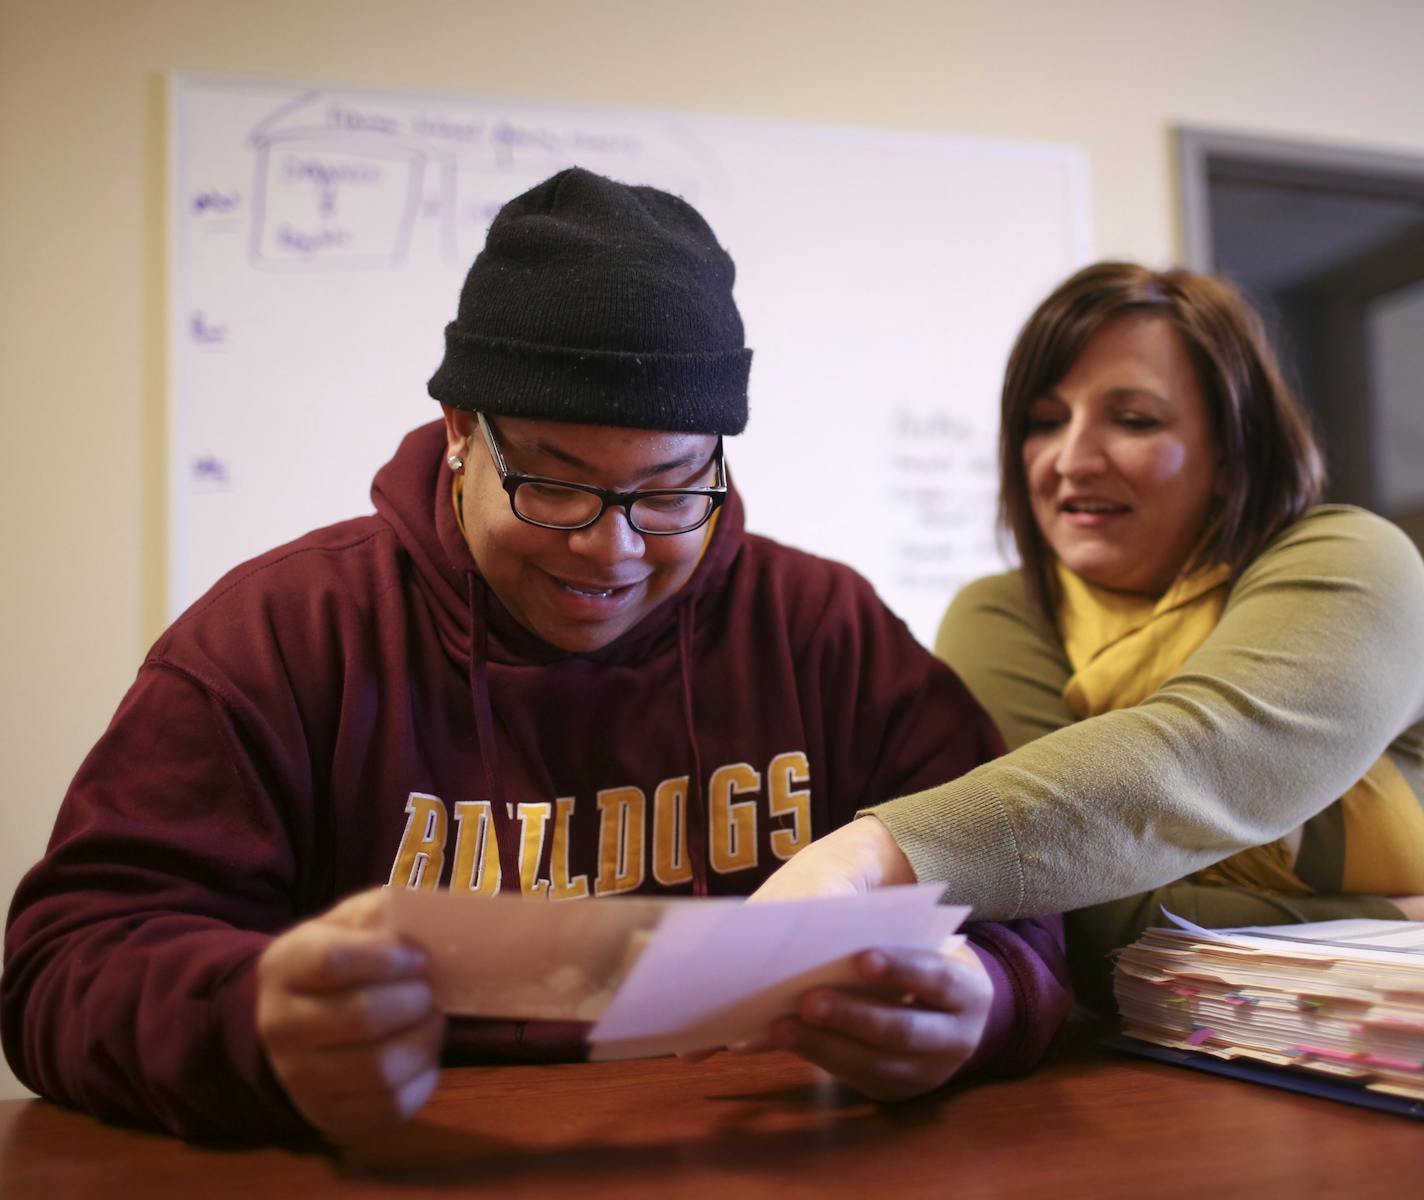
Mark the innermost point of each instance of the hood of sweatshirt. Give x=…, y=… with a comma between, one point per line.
x=413, y=494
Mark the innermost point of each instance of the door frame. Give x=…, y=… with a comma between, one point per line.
x=1330, y=307
x=1203, y=153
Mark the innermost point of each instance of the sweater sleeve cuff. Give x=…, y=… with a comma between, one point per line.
x=960, y=834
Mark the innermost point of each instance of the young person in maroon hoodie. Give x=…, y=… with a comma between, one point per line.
x=552, y=661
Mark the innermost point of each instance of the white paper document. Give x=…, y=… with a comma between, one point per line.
x=1354, y=939
x=657, y=975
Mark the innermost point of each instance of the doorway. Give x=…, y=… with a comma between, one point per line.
x=1329, y=245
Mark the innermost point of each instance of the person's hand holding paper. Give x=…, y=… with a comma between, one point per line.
x=874, y=988
x=347, y=1020
x=913, y=1024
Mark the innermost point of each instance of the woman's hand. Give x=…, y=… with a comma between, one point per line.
x=348, y=1021
x=855, y=858
x=1411, y=906
x=920, y=1024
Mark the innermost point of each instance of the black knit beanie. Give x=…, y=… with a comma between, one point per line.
x=602, y=304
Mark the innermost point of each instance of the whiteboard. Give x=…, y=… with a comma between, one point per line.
x=320, y=235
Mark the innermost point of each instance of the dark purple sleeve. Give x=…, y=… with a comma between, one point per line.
x=129, y=982
x=1032, y=995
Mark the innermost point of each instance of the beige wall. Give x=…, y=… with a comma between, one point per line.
x=81, y=234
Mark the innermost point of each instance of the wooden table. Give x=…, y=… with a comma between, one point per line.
x=1090, y=1123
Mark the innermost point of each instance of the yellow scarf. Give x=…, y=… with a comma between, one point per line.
x=1124, y=647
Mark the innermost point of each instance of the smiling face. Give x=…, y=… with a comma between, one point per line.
x=1120, y=459
x=579, y=590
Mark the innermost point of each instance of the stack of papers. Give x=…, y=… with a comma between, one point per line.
x=658, y=976
x=1343, y=999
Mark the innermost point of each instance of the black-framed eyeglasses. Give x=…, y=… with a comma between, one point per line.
x=558, y=504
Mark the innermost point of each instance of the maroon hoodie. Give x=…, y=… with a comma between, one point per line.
x=357, y=708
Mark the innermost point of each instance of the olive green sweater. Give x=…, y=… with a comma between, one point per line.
x=1315, y=668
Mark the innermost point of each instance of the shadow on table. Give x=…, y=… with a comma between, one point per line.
x=771, y=1131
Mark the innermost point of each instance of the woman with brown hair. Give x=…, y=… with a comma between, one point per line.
x=1202, y=674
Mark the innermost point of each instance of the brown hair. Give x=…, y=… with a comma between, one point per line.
x=1271, y=467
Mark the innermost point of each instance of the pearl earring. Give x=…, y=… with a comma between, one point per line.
x=457, y=464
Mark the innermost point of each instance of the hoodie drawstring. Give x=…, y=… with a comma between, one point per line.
x=696, y=800
x=503, y=827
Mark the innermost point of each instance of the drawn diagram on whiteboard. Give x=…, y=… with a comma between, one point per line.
x=332, y=196
x=345, y=184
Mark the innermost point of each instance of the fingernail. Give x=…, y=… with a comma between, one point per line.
x=409, y=958
x=873, y=963
x=817, y=1008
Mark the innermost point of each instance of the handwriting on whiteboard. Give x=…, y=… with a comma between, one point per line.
x=338, y=185
x=942, y=480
